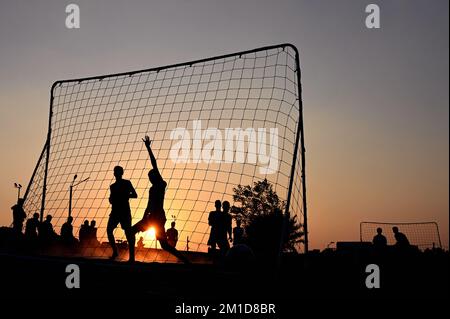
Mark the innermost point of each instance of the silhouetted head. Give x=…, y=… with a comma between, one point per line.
x=152, y=176
x=86, y=223
x=20, y=201
x=172, y=224
x=36, y=215
x=48, y=218
x=379, y=230
x=93, y=222
x=218, y=204
x=238, y=223
x=226, y=206
x=118, y=172
x=395, y=229
x=70, y=219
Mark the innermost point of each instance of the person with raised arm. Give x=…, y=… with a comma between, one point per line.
x=154, y=215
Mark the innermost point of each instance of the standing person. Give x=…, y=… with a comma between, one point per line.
x=18, y=215
x=93, y=242
x=154, y=214
x=67, y=232
x=46, y=233
x=224, y=228
x=213, y=218
x=120, y=193
x=31, y=227
x=83, y=234
x=238, y=233
x=172, y=235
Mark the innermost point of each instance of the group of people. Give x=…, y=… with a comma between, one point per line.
x=222, y=232
x=121, y=191
x=44, y=231
x=154, y=215
x=380, y=242
x=88, y=234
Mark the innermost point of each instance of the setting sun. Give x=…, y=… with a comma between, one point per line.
x=151, y=234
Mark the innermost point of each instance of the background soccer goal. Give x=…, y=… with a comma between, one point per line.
x=423, y=235
x=97, y=123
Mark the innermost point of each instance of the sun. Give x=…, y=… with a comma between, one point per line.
x=151, y=233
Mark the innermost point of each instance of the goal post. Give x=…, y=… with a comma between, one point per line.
x=216, y=123
x=424, y=235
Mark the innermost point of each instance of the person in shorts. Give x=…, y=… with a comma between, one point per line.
x=120, y=193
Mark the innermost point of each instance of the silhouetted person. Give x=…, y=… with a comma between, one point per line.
x=401, y=239
x=92, y=234
x=46, y=233
x=172, y=235
x=238, y=233
x=83, y=235
x=18, y=215
x=140, y=243
x=224, y=228
x=379, y=240
x=154, y=214
x=67, y=232
x=213, y=219
x=32, y=226
x=121, y=191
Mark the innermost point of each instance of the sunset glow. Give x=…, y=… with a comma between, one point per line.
x=376, y=116
x=151, y=234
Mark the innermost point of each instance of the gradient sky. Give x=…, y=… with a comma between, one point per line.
x=376, y=101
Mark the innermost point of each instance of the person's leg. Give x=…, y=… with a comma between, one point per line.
x=131, y=242
x=125, y=223
x=162, y=238
x=112, y=224
x=140, y=226
x=224, y=246
x=165, y=245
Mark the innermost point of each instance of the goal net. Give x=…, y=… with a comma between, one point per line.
x=423, y=235
x=215, y=123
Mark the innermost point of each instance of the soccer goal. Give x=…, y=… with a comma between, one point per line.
x=423, y=235
x=215, y=123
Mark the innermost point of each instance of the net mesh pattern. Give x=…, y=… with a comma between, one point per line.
x=423, y=235
x=213, y=125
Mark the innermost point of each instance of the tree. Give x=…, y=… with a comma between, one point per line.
x=261, y=213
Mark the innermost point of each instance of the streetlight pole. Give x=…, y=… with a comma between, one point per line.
x=72, y=185
x=70, y=194
x=18, y=186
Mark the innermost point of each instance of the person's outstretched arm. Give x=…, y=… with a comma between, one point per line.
x=147, y=143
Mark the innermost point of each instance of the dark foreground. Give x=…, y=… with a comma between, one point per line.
x=320, y=276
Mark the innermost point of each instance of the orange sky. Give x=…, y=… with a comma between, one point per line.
x=376, y=103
